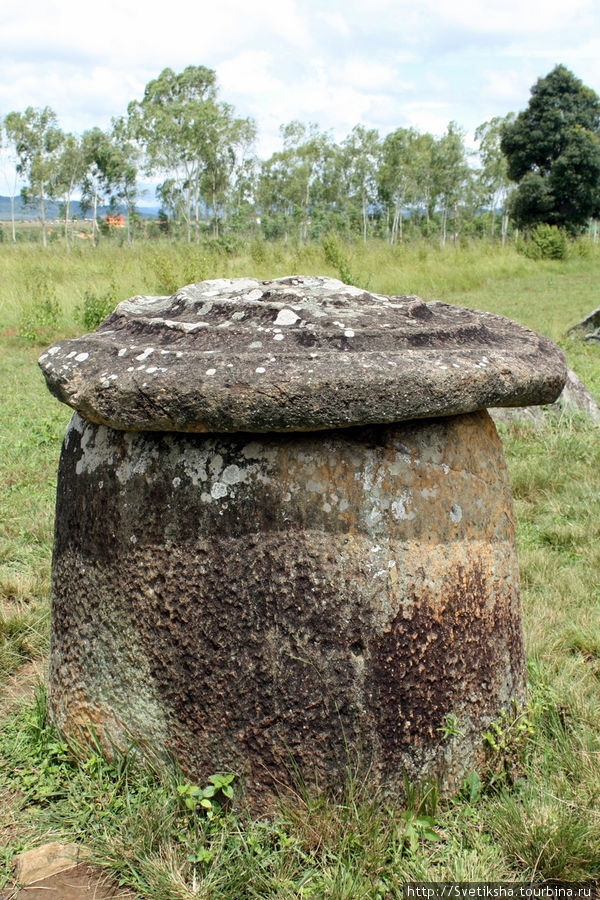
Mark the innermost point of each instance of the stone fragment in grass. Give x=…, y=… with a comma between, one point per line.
x=588, y=327
x=49, y=859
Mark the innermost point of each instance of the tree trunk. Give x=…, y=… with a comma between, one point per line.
x=95, y=220
x=43, y=214
x=67, y=205
x=444, y=220
x=12, y=218
x=504, y=227
x=395, y=221
x=214, y=207
x=196, y=213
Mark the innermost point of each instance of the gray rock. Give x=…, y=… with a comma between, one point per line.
x=588, y=327
x=574, y=399
x=296, y=354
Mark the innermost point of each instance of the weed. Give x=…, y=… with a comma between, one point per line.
x=210, y=799
x=96, y=307
x=40, y=316
x=335, y=256
x=450, y=727
x=506, y=743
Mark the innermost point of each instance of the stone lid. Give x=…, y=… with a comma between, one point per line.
x=297, y=353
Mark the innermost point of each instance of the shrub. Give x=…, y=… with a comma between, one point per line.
x=546, y=242
x=97, y=307
x=39, y=318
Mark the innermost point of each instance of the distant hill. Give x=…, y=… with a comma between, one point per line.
x=30, y=213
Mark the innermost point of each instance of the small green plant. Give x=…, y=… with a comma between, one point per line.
x=96, y=307
x=471, y=787
x=209, y=799
x=450, y=726
x=258, y=251
x=412, y=829
x=506, y=742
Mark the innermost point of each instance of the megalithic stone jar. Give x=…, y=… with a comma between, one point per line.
x=284, y=534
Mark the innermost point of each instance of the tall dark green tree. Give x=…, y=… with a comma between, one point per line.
x=553, y=153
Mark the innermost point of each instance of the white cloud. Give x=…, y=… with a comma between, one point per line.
x=397, y=63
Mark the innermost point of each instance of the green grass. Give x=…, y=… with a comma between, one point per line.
x=533, y=812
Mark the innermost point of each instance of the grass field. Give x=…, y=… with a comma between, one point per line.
x=533, y=813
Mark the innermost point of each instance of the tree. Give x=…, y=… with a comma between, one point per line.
x=295, y=183
x=121, y=170
x=110, y=173
x=226, y=141
x=397, y=184
x=553, y=153
x=37, y=140
x=493, y=176
x=189, y=138
x=70, y=170
x=168, y=123
x=450, y=172
x=361, y=151
x=10, y=163
x=95, y=184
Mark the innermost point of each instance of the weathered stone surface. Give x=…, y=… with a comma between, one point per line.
x=249, y=602
x=588, y=327
x=47, y=860
x=295, y=354
x=574, y=399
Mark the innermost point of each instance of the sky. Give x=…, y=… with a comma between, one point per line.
x=333, y=62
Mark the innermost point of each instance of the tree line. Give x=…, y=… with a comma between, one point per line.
x=540, y=166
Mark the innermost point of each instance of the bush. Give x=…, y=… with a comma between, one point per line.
x=97, y=307
x=546, y=242
x=40, y=317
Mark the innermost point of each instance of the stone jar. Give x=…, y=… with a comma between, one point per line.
x=284, y=535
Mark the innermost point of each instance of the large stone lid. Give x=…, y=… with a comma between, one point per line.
x=297, y=353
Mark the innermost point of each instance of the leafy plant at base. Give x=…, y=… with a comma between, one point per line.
x=506, y=742
x=208, y=799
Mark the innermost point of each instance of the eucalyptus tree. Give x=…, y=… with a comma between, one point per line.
x=10, y=162
x=122, y=169
x=361, y=154
x=70, y=171
x=226, y=144
x=168, y=124
x=397, y=175
x=295, y=183
x=109, y=171
x=95, y=182
x=189, y=138
x=493, y=176
x=37, y=140
x=450, y=170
